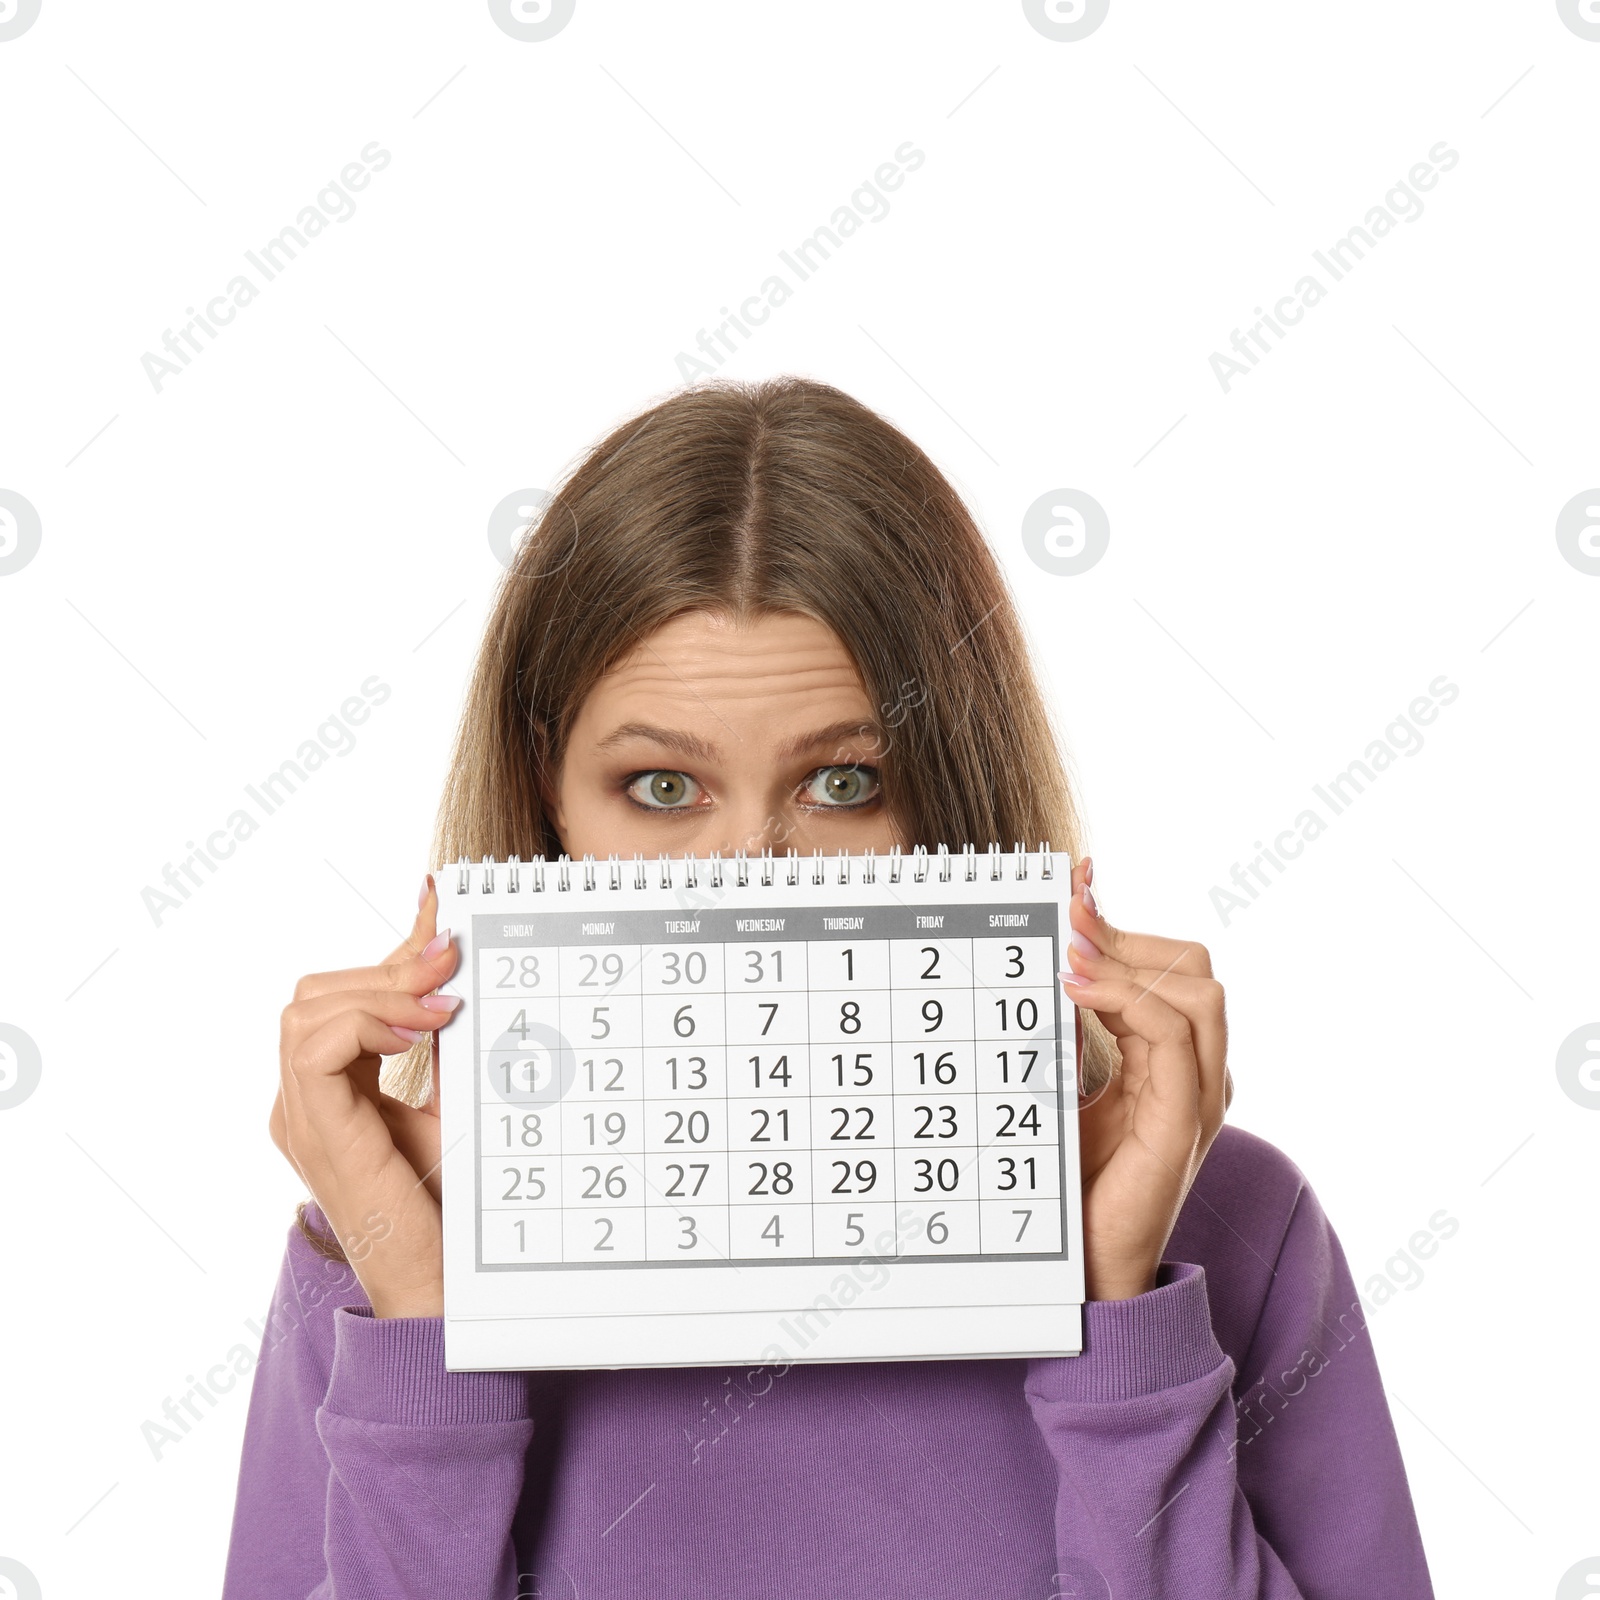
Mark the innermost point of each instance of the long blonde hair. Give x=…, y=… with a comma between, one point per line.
x=784, y=495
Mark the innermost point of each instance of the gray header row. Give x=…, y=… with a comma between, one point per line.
x=728, y=926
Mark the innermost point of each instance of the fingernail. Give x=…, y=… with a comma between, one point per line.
x=427, y=884
x=1088, y=869
x=1088, y=899
x=439, y=1002
x=1083, y=946
x=1072, y=978
x=410, y=1035
x=437, y=945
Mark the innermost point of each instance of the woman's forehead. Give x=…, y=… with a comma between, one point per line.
x=729, y=685
x=699, y=651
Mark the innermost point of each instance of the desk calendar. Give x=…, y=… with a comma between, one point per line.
x=759, y=1109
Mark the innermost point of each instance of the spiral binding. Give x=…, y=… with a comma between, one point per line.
x=919, y=858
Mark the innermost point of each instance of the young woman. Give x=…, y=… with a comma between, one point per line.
x=758, y=616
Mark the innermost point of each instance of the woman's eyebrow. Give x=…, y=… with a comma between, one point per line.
x=835, y=733
x=689, y=744
x=686, y=744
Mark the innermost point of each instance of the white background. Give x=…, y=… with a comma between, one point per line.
x=1291, y=563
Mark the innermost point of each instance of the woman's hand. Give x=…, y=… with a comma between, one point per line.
x=370, y=1160
x=1145, y=1134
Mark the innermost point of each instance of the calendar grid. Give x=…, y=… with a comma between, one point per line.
x=553, y=1208
x=811, y=1095
x=727, y=1115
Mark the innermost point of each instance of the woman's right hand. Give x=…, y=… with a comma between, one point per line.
x=370, y=1160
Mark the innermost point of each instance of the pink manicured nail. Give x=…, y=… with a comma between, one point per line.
x=439, y=1002
x=437, y=945
x=1088, y=899
x=410, y=1035
x=1083, y=946
x=1073, y=979
x=1088, y=869
x=427, y=884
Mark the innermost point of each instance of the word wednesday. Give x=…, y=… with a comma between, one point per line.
x=1401, y=204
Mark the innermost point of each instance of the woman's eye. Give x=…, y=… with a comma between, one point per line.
x=843, y=786
x=663, y=791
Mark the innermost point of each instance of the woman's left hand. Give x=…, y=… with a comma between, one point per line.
x=1145, y=1134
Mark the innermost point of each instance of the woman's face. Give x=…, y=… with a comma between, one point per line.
x=715, y=736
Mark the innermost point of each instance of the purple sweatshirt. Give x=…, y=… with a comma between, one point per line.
x=1223, y=1435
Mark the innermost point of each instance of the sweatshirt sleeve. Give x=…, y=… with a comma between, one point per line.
x=1176, y=1479
x=368, y=1469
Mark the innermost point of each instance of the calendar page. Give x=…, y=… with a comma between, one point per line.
x=759, y=1110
